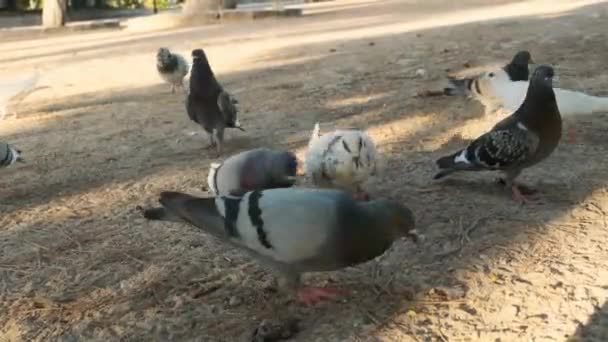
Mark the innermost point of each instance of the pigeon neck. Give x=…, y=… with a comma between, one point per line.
x=383, y=220
x=202, y=66
x=539, y=106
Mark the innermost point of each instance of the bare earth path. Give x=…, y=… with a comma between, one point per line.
x=77, y=263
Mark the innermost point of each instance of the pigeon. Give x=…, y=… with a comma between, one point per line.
x=9, y=155
x=472, y=86
x=521, y=140
x=341, y=159
x=496, y=91
x=516, y=70
x=506, y=89
x=208, y=103
x=16, y=89
x=256, y=169
x=172, y=68
x=295, y=230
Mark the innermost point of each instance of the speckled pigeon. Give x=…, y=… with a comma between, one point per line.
x=519, y=141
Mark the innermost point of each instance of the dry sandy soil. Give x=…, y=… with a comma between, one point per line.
x=78, y=263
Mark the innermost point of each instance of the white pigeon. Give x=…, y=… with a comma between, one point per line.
x=342, y=159
x=495, y=91
x=16, y=88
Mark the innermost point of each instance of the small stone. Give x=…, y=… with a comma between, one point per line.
x=421, y=72
x=468, y=309
x=275, y=330
x=332, y=50
x=234, y=301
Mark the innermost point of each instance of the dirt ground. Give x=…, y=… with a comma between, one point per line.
x=78, y=263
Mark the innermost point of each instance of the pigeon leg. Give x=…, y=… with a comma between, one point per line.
x=312, y=295
x=518, y=195
x=361, y=195
x=571, y=135
x=219, y=138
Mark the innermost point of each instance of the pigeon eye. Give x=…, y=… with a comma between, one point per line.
x=491, y=74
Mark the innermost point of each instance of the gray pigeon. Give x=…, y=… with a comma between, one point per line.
x=208, y=104
x=9, y=155
x=521, y=140
x=516, y=70
x=172, y=68
x=256, y=169
x=295, y=230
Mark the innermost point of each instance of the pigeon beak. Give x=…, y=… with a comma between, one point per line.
x=237, y=124
x=415, y=236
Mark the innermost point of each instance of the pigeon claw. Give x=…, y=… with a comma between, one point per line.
x=313, y=295
x=518, y=194
x=361, y=196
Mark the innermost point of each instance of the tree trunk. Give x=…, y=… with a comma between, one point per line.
x=203, y=6
x=53, y=13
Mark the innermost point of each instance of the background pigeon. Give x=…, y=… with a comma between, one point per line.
x=16, y=88
x=343, y=159
x=208, y=103
x=516, y=70
x=172, y=67
x=495, y=91
x=9, y=155
x=295, y=230
x=519, y=141
x=257, y=169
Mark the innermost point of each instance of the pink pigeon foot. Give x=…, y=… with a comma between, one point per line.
x=313, y=295
x=361, y=196
x=571, y=135
x=518, y=195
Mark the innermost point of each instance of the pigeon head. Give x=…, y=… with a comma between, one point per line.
x=200, y=64
x=398, y=220
x=284, y=167
x=163, y=56
x=15, y=155
x=198, y=55
x=543, y=77
x=540, y=104
x=522, y=58
x=517, y=69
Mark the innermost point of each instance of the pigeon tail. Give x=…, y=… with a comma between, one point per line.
x=199, y=212
x=572, y=103
x=452, y=163
x=600, y=104
x=155, y=214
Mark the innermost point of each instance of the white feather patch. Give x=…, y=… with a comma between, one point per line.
x=211, y=177
x=462, y=157
x=522, y=126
